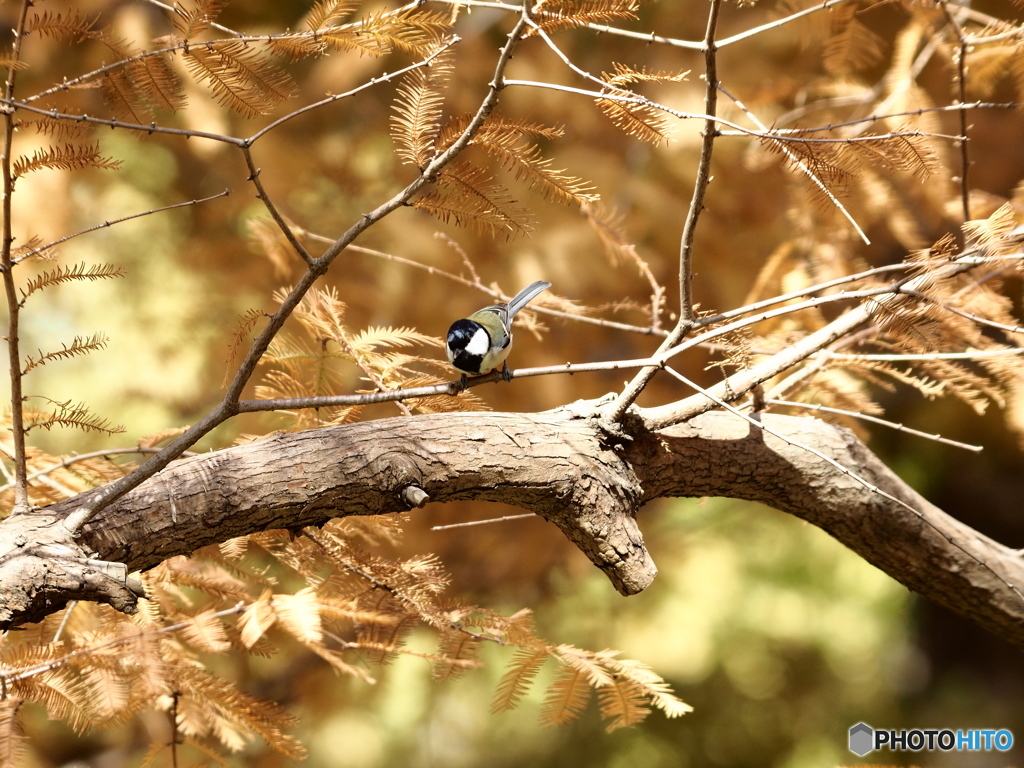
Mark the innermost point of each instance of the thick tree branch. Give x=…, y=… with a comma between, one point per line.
x=560, y=464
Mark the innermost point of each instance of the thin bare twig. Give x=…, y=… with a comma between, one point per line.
x=633, y=389
x=961, y=82
x=10, y=289
x=112, y=222
x=263, y=197
x=71, y=460
x=874, y=420
x=488, y=521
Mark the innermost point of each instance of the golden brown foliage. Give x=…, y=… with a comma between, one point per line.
x=339, y=593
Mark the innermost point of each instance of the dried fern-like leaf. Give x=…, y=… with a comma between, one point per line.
x=109, y=695
x=205, y=632
x=567, y=697
x=257, y=618
x=457, y=651
x=70, y=157
x=624, y=75
x=81, y=345
x=68, y=414
x=72, y=28
x=299, y=615
x=528, y=162
x=157, y=82
x=852, y=47
x=517, y=678
x=832, y=165
x=639, y=120
x=376, y=337
x=411, y=29
x=623, y=703
x=587, y=662
x=12, y=737
x=993, y=233
x=560, y=15
x=651, y=686
x=213, y=706
x=327, y=12
x=155, y=438
x=120, y=94
x=466, y=195
x=239, y=77
x=190, y=22
x=384, y=639
x=61, y=692
x=70, y=274
x=62, y=129
x=417, y=111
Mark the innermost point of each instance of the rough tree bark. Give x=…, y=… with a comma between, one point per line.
x=561, y=464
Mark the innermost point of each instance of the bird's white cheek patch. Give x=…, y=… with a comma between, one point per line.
x=480, y=344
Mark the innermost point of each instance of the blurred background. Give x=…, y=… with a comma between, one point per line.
x=779, y=637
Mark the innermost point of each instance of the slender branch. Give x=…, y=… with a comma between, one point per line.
x=488, y=521
x=802, y=165
x=70, y=460
x=875, y=420
x=263, y=197
x=112, y=222
x=13, y=306
x=496, y=296
x=700, y=184
x=926, y=520
x=960, y=59
x=633, y=389
x=384, y=78
x=743, y=381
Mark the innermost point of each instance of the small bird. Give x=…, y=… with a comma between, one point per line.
x=480, y=343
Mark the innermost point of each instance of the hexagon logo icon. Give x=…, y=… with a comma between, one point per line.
x=861, y=739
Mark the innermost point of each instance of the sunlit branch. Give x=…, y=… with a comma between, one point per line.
x=778, y=22
x=214, y=25
x=802, y=292
x=190, y=133
x=451, y=388
x=875, y=420
x=488, y=521
x=969, y=315
x=849, y=473
x=13, y=675
x=816, y=363
x=743, y=381
x=787, y=132
x=492, y=294
x=973, y=354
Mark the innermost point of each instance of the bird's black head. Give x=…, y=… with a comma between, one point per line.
x=468, y=342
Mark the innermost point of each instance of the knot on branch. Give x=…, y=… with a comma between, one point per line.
x=598, y=514
x=42, y=569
